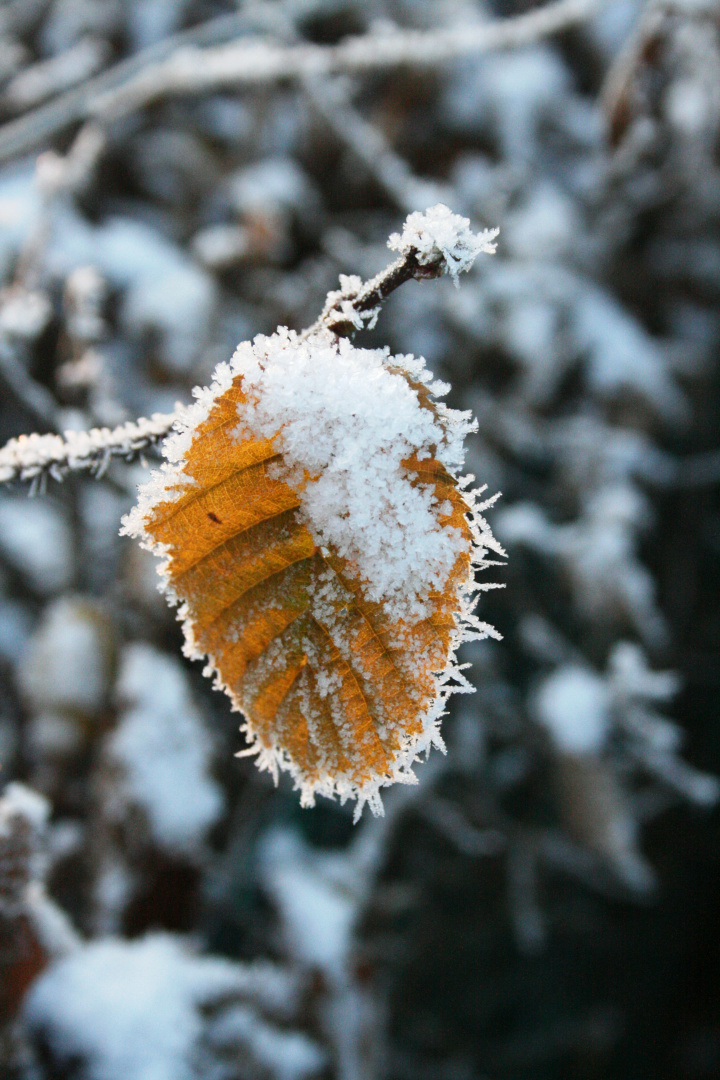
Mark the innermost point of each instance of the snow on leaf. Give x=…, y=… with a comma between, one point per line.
x=314, y=532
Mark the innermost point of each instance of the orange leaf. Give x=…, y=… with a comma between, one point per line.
x=323, y=552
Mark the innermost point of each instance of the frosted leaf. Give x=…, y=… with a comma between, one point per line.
x=322, y=544
x=346, y=420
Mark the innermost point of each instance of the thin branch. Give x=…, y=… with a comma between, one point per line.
x=522, y=885
x=35, y=397
x=34, y=128
x=255, y=62
x=430, y=244
x=188, y=69
x=35, y=457
x=356, y=304
x=449, y=820
x=330, y=98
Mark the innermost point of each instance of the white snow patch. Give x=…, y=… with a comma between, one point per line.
x=275, y=184
x=633, y=679
x=20, y=801
x=574, y=705
x=67, y=666
x=165, y=751
x=318, y=914
x=132, y=1009
x=286, y=1055
x=346, y=419
x=35, y=538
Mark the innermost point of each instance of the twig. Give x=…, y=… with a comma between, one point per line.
x=330, y=98
x=35, y=397
x=35, y=457
x=45, y=78
x=356, y=304
x=525, y=910
x=430, y=244
x=449, y=820
x=188, y=69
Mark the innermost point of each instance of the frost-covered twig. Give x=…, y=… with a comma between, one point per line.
x=45, y=78
x=33, y=457
x=190, y=69
x=432, y=243
x=253, y=62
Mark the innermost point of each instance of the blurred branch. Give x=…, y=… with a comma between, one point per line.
x=182, y=66
x=34, y=128
x=35, y=397
x=449, y=820
x=525, y=910
x=255, y=62
x=331, y=100
x=370, y=147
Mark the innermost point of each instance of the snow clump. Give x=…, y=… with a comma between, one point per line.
x=347, y=421
x=135, y=1009
x=164, y=752
x=439, y=235
x=573, y=704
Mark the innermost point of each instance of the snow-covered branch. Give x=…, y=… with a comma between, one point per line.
x=432, y=243
x=251, y=62
x=33, y=457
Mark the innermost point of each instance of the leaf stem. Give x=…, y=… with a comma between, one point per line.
x=356, y=304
